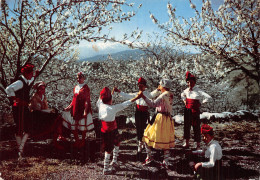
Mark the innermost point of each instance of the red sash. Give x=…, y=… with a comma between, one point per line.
x=20, y=102
x=193, y=104
x=141, y=108
x=108, y=126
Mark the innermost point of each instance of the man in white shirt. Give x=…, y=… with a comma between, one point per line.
x=19, y=96
x=192, y=97
x=141, y=114
x=211, y=167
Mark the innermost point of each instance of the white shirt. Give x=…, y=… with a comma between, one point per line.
x=108, y=112
x=196, y=93
x=163, y=103
x=213, y=152
x=17, y=85
x=140, y=101
x=78, y=87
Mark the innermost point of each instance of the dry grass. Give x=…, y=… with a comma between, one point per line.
x=240, y=142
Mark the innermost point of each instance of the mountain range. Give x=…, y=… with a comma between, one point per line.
x=134, y=54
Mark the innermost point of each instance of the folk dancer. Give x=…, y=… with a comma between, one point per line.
x=160, y=135
x=19, y=95
x=109, y=130
x=141, y=114
x=78, y=115
x=192, y=98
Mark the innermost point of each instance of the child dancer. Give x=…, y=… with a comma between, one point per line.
x=109, y=131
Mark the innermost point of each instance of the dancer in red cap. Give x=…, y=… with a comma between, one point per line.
x=211, y=168
x=109, y=131
x=141, y=114
x=192, y=98
x=78, y=115
x=19, y=96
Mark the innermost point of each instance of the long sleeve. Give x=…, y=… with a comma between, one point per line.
x=108, y=112
x=153, y=103
x=121, y=106
x=213, y=152
x=212, y=158
x=127, y=96
x=195, y=93
x=12, y=88
x=154, y=93
x=183, y=96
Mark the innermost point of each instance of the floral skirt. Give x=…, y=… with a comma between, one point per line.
x=160, y=135
x=82, y=125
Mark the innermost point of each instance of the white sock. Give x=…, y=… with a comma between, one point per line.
x=148, y=151
x=24, y=139
x=115, y=154
x=106, y=161
x=166, y=156
x=18, y=140
x=139, y=146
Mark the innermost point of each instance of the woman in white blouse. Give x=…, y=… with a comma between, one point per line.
x=160, y=135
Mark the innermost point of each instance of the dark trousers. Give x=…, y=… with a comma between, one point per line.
x=110, y=139
x=21, y=116
x=141, y=118
x=192, y=119
x=214, y=173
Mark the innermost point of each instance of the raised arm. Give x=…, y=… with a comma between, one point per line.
x=120, y=107
x=153, y=103
x=154, y=93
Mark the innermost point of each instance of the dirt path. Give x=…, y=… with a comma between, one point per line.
x=241, y=160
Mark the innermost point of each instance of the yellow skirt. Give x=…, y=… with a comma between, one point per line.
x=160, y=135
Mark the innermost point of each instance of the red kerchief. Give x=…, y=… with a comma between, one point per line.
x=27, y=68
x=206, y=129
x=105, y=93
x=141, y=81
x=189, y=76
x=80, y=74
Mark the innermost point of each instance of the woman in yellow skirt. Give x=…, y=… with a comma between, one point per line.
x=160, y=134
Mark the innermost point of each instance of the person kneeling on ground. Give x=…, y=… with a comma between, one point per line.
x=211, y=169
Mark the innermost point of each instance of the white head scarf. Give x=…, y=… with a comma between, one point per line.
x=166, y=83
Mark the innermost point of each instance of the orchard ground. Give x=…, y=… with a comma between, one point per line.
x=240, y=142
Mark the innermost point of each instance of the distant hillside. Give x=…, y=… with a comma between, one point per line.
x=122, y=55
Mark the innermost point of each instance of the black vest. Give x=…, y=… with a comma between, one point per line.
x=24, y=93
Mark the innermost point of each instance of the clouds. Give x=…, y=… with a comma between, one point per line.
x=90, y=49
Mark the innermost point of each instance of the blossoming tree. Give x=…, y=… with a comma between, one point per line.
x=230, y=33
x=42, y=31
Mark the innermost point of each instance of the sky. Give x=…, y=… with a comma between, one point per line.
x=141, y=20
